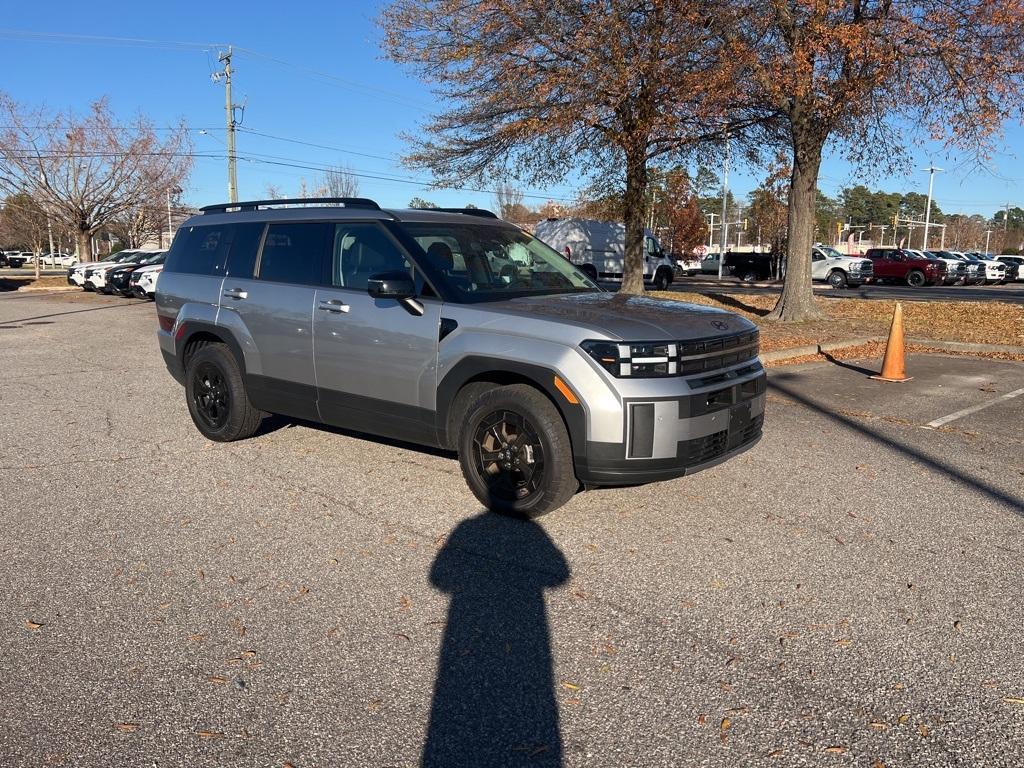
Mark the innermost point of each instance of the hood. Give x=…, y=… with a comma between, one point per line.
x=626, y=318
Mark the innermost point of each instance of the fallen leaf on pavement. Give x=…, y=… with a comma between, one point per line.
x=723, y=729
x=33, y=625
x=922, y=730
x=210, y=734
x=836, y=749
x=217, y=679
x=570, y=686
x=1014, y=700
x=127, y=727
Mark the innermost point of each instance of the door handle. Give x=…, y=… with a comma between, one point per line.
x=334, y=305
x=235, y=293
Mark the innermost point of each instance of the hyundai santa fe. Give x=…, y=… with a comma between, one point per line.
x=452, y=329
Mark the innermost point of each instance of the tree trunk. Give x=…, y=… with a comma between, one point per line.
x=796, y=303
x=633, y=210
x=84, y=245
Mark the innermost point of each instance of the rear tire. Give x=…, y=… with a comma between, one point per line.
x=916, y=278
x=515, y=453
x=216, y=396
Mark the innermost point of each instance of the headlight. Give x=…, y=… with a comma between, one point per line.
x=634, y=360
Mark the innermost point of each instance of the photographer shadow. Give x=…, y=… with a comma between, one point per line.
x=494, y=699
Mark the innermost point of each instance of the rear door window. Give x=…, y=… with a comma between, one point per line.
x=295, y=253
x=244, y=247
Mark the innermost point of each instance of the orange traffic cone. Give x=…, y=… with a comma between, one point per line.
x=894, y=362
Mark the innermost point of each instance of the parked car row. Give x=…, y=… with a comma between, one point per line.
x=920, y=268
x=18, y=259
x=882, y=265
x=127, y=273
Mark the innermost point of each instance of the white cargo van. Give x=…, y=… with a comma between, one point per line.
x=598, y=248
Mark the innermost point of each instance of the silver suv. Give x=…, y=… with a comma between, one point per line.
x=453, y=329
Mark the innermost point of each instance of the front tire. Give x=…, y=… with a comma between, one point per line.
x=837, y=279
x=216, y=396
x=916, y=279
x=515, y=453
x=662, y=278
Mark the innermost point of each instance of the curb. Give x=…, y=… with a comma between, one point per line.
x=832, y=346
x=817, y=349
x=48, y=289
x=963, y=346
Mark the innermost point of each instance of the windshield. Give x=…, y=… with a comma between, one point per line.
x=830, y=252
x=480, y=262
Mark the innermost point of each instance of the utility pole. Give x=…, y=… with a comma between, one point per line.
x=711, y=230
x=928, y=211
x=1006, y=221
x=725, y=194
x=229, y=108
x=988, y=236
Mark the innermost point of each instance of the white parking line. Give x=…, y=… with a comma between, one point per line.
x=973, y=409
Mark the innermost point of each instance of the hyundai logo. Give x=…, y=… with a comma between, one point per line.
x=720, y=325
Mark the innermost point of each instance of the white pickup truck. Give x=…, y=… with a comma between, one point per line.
x=838, y=269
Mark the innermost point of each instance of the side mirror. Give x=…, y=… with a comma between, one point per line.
x=391, y=285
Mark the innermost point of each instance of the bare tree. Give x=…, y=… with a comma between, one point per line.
x=339, y=182
x=139, y=224
x=87, y=171
x=509, y=202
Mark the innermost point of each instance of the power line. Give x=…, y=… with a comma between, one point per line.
x=20, y=34
x=391, y=158
x=353, y=85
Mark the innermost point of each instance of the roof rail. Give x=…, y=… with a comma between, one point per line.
x=254, y=205
x=481, y=212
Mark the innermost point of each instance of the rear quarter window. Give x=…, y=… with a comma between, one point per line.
x=200, y=250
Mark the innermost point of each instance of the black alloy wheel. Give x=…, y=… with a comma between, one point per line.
x=509, y=456
x=210, y=395
x=514, y=449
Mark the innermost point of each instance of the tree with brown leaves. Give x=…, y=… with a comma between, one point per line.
x=88, y=171
x=540, y=88
x=872, y=76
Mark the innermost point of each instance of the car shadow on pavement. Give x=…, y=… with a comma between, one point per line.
x=275, y=422
x=127, y=303
x=956, y=474
x=494, y=699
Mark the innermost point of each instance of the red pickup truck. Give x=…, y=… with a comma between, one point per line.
x=896, y=264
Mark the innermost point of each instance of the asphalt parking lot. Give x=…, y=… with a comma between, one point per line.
x=847, y=593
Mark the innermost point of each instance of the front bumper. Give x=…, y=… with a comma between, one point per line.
x=672, y=437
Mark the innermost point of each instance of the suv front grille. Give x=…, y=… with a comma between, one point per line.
x=699, y=356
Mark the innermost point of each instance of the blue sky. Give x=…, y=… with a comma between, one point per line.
x=329, y=86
